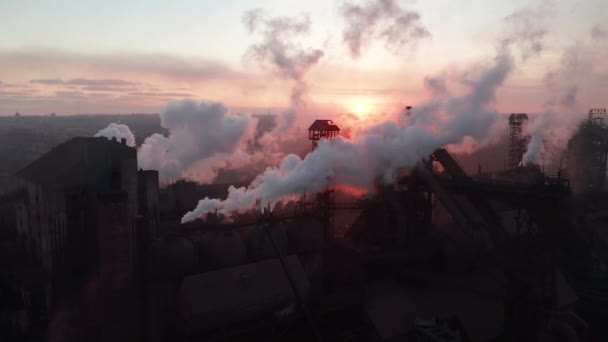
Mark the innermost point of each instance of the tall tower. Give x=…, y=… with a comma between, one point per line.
x=588, y=153
x=518, y=143
x=324, y=129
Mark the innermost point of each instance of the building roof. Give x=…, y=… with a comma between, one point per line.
x=66, y=164
x=323, y=125
x=518, y=117
x=226, y=296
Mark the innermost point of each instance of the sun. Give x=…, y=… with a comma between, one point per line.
x=360, y=109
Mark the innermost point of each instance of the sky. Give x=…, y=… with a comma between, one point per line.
x=89, y=56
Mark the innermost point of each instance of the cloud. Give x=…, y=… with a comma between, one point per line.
x=108, y=88
x=381, y=20
x=11, y=85
x=160, y=94
x=172, y=67
x=84, y=82
x=99, y=82
x=48, y=81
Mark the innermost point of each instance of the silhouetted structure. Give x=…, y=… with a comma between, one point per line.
x=322, y=129
x=588, y=152
x=84, y=200
x=438, y=255
x=518, y=142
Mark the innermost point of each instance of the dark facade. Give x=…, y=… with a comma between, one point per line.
x=518, y=141
x=65, y=188
x=86, y=213
x=322, y=129
x=588, y=156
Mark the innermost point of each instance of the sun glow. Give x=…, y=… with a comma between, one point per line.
x=360, y=109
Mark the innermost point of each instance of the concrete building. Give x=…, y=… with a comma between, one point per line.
x=87, y=216
x=149, y=200
x=62, y=219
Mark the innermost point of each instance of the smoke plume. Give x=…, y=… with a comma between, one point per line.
x=526, y=28
x=551, y=129
x=381, y=20
x=202, y=139
x=118, y=131
x=383, y=149
x=277, y=51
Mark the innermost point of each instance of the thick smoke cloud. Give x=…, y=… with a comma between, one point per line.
x=381, y=20
x=278, y=51
x=118, y=131
x=383, y=149
x=203, y=137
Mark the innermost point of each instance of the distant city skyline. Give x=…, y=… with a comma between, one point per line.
x=66, y=57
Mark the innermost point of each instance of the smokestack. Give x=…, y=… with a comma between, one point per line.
x=113, y=138
x=122, y=140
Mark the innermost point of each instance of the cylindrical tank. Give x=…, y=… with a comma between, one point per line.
x=174, y=257
x=259, y=245
x=221, y=249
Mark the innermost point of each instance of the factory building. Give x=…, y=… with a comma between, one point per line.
x=86, y=215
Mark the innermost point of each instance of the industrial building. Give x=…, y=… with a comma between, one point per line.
x=80, y=216
x=517, y=254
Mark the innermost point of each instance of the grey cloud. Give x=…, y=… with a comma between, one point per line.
x=108, y=88
x=10, y=85
x=98, y=82
x=83, y=82
x=173, y=67
x=48, y=81
x=161, y=94
x=381, y=19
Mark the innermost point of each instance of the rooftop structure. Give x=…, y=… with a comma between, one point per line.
x=322, y=129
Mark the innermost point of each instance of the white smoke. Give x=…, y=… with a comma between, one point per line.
x=118, y=131
x=379, y=152
x=203, y=138
x=278, y=51
x=381, y=20
x=551, y=129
